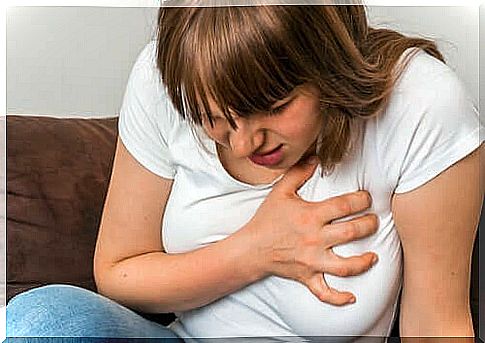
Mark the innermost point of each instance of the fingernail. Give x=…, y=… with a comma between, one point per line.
x=352, y=300
x=375, y=259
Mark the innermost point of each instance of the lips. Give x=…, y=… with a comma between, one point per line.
x=269, y=158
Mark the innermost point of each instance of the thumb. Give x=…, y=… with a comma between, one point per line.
x=297, y=175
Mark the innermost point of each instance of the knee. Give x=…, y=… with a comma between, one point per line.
x=38, y=311
x=49, y=297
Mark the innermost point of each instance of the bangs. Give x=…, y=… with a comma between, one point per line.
x=238, y=57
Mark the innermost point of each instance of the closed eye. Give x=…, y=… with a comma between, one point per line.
x=279, y=109
x=212, y=119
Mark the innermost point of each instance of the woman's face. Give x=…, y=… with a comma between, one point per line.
x=276, y=140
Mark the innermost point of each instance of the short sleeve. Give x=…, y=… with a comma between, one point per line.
x=430, y=124
x=146, y=119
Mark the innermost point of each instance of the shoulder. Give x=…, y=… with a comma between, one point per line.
x=426, y=80
x=148, y=122
x=428, y=96
x=147, y=56
x=145, y=72
x=147, y=92
x=422, y=64
x=430, y=122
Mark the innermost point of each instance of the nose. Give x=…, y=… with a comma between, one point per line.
x=246, y=139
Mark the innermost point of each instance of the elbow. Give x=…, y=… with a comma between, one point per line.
x=456, y=325
x=100, y=282
x=102, y=271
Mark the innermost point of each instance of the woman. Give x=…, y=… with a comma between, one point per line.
x=287, y=152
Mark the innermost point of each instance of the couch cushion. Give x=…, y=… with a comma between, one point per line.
x=57, y=176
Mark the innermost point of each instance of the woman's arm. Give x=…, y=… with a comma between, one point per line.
x=437, y=224
x=130, y=265
x=285, y=238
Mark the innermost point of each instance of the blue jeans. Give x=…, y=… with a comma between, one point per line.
x=77, y=315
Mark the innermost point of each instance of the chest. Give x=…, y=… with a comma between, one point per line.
x=208, y=204
x=211, y=199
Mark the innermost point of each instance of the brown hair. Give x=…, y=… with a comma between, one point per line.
x=247, y=58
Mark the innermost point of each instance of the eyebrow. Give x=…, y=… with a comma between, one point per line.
x=217, y=115
x=285, y=101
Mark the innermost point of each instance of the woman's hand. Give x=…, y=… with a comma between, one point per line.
x=295, y=237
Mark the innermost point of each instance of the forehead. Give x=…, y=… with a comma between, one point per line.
x=302, y=90
x=213, y=109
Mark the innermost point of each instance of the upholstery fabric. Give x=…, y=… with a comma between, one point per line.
x=58, y=172
x=57, y=175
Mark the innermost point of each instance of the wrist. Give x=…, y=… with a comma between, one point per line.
x=246, y=244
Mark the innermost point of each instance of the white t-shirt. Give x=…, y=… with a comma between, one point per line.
x=429, y=124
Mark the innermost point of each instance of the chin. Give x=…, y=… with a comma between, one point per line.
x=283, y=166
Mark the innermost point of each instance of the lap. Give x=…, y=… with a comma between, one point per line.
x=70, y=311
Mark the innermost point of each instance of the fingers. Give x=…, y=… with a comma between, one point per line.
x=297, y=176
x=318, y=286
x=345, y=232
x=348, y=266
x=344, y=205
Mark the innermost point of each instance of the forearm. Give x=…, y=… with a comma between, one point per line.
x=158, y=282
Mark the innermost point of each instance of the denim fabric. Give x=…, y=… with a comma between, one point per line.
x=77, y=315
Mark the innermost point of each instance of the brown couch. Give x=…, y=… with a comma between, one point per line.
x=57, y=176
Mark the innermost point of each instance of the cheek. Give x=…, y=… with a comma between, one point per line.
x=304, y=132
x=303, y=128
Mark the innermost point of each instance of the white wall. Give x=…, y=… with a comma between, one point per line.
x=75, y=61
x=455, y=29
x=72, y=60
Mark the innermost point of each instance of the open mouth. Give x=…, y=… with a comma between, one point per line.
x=269, y=152
x=270, y=158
